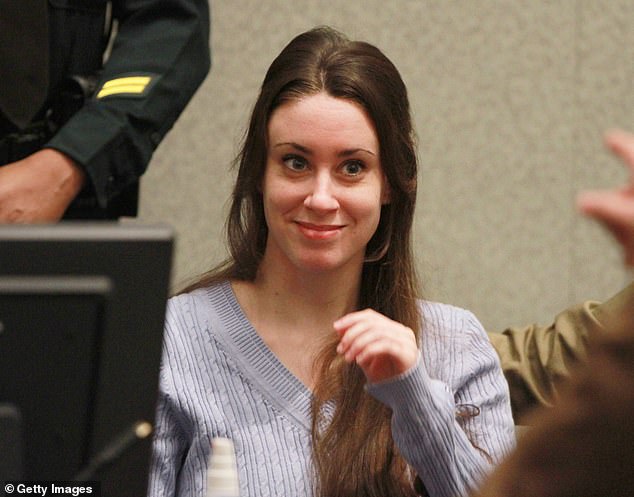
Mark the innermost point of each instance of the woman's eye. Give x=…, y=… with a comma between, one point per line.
x=353, y=168
x=295, y=163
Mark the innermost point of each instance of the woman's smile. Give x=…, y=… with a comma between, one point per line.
x=319, y=231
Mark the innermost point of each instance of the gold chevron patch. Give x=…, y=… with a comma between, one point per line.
x=135, y=86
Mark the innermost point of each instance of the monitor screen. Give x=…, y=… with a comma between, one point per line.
x=82, y=309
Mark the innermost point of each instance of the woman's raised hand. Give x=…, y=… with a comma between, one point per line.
x=382, y=347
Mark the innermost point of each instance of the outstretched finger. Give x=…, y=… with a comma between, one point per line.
x=614, y=207
x=622, y=144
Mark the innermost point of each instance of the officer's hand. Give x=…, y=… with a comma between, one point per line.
x=38, y=188
x=615, y=208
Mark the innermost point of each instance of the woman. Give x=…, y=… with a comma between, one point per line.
x=309, y=348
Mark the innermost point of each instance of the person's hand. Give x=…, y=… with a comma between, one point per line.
x=615, y=208
x=38, y=188
x=382, y=347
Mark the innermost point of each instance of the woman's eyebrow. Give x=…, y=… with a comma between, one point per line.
x=299, y=147
x=352, y=151
x=308, y=151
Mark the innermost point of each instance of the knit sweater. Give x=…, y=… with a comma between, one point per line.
x=218, y=378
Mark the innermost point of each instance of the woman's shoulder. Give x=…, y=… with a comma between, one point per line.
x=195, y=305
x=454, y=343
x=197, y=295
x=449, y=320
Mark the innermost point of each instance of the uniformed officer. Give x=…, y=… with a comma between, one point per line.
x=77, y=133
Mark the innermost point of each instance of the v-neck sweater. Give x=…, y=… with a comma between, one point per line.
x=219, y=379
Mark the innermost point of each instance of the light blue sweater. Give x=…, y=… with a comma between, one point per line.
x=218, y=378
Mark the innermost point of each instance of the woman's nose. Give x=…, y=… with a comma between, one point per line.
x=321, y=196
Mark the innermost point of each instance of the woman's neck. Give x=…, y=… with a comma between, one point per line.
x=294, y=312
x=312, y=299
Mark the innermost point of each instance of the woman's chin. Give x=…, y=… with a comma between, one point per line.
x=324, y=264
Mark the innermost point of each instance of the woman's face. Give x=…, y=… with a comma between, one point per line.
x=323, y=185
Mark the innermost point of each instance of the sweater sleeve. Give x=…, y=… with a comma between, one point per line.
x=452, y=436
x=159, y=58
x=170, y=442
x=167, y=452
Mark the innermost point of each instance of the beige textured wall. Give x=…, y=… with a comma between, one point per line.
x=510, y=99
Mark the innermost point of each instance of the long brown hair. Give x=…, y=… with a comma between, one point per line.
x=354, y=453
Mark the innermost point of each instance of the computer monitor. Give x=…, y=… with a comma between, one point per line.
x=82, y=309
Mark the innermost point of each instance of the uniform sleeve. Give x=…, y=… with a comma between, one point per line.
x=536, y=359
x=159, y=58
x=452, y=438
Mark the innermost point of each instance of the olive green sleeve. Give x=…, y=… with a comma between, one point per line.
x=535, y=359
x=584, y=444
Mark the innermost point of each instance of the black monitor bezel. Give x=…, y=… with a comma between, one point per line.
x=136, y=260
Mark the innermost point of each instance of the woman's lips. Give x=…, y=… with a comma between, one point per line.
x=319, y=231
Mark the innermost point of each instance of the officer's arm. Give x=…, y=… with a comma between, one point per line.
x=536, y=359
x=159, y=58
